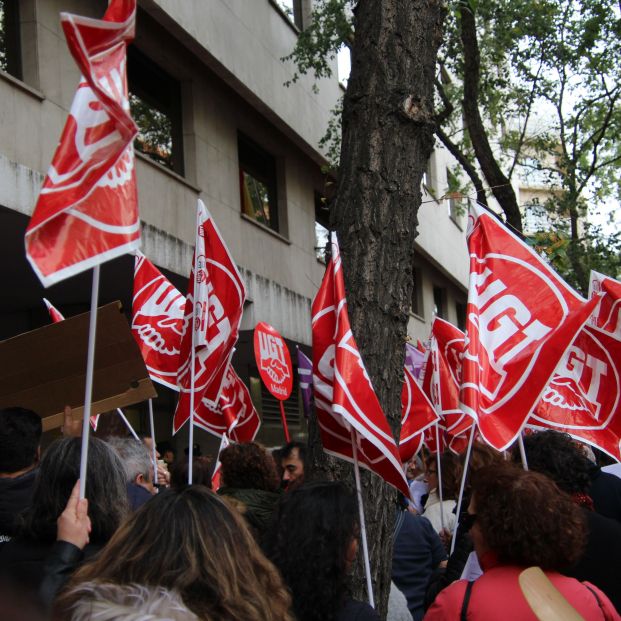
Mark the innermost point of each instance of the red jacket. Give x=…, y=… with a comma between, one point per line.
x=497, y=595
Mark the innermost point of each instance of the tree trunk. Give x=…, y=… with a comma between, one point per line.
x=500, y=185
x=387, y=140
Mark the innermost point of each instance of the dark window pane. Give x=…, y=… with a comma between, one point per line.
x=10, y=53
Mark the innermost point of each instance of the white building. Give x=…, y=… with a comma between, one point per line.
x=229, y=132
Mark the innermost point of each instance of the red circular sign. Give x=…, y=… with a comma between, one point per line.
x=273, y=361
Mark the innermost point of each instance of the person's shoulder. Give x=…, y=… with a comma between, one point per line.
x=448, y=603
x=353, y=610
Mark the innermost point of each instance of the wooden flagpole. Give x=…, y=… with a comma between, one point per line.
x=363, y=528
x=283, y=418
x=88, y=394
x=462, y=486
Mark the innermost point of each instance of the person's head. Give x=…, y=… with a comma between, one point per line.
x=414, y=467
x=451, y=474
x=105, y=489
x=556, y=455
x=201, y=473
x=248, y=466
x=292, y=462
x=481, y=455
x=313, y=541
x=147, y=440
x=113, y=602
x=191, y=542
x=524, y=518
x=136, y=460
x=166, y=451
x=20, y=436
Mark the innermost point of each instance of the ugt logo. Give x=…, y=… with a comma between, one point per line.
x=273, y=361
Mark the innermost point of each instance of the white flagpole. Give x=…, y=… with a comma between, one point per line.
x=522, y=451
x=119, y=411
x=88, y=393
x=192, y=354
x=462, y=486
x=153, y=449
x=363, y=528
x=439, y=475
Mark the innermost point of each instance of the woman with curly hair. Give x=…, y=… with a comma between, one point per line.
x=250, y=482
x=313, y=541
x=517, y=520
x=189, y=542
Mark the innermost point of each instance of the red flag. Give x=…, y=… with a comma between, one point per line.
x=157, y=321
x=417, y=413
x=344, y=398
x=521, y=318
x=234, y=415
x=87, y=211
x=608, y=315
x=213, y=312
x=216, y=477
x=55, y=314
x=584, y=397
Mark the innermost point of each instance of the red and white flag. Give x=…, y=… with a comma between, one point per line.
x=344, y=398
x=55, y=314
x=584, y=397
x=608, y=315
x=234, y=415
x=157, y=321
x=216, y=477
x=213, y=313
x=87, y=211
x=521, y=318
x=417, y=414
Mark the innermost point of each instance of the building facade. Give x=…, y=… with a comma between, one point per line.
x=207, y=89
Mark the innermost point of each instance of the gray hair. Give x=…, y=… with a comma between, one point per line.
x=104, y=601
x=135, y=457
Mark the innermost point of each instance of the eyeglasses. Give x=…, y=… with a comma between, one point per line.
x=468, y=520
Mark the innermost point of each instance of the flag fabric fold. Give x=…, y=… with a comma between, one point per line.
x=157, y=321
x=212, y=316
x=87, y=210
x=55, y=314
x=344, y=398
x=608, y=315
x=521, y=318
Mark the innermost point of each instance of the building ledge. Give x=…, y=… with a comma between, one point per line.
x=267, y=229
x=7, y=77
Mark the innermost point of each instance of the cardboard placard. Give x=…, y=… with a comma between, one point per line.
x=45, y=369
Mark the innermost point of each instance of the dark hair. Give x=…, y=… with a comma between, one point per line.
x=451, y=473
x=308, y=541
x=526, y=519
x=202, y=550
x=248, y=466
x=20, y=435
x=106, y=490
x=201, y=473
x=555, y=455
x=288, y=448
x=481, y=455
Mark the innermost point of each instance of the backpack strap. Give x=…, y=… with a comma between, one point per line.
x=599, y=601
x=464, y=606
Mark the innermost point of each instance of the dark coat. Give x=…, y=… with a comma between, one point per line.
x=15, y=498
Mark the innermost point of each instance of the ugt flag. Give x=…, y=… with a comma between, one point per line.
x=213, y=313
x=521, y=318
x=157, y=321
x=346, y=406
x=87, y=211
x=608, y=315
x=584, y=397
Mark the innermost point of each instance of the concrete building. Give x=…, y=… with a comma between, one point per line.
x=207, y=89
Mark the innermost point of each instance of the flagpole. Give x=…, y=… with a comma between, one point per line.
x=462, y=486
x=153, y=449
x=119, y=411
x=363, y=528
x=283, y=418
x=522, y=451
x=439, y=475
x=88, y=393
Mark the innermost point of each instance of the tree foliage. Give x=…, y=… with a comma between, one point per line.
x=525, y=89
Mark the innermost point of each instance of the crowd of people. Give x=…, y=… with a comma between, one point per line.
x=271, y=545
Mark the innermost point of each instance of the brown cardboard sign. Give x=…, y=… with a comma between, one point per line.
x=45, y=369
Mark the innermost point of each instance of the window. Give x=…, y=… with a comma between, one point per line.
x=439, y=302
x=155, y=103
x=417, y=293
x=258, y=183
x=10, y=53
x=460, y=310
x=535, y=216
x=322, y=231
x=293, y=10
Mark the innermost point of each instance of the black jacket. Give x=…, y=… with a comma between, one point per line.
x=15, y=498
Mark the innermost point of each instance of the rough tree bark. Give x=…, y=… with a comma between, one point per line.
x=388, y=126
